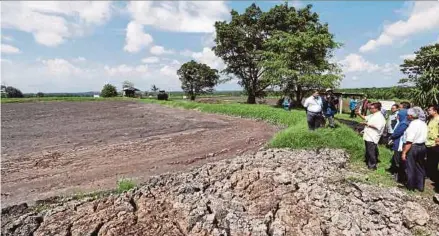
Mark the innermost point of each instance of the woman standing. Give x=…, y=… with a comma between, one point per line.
x=397, y=167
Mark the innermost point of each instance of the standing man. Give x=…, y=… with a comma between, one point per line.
x=313, y=106
x=352, y=105
x=414, y=150
x=392, y=121
x=433, y=144
x=365, y=106
x=375, y=124
x=330, y=106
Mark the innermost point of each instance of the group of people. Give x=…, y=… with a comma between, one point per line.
x=320, y=107
x=412, y=133
x=414, y=138
x=355, y=105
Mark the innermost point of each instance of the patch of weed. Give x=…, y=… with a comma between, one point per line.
x=124, y=185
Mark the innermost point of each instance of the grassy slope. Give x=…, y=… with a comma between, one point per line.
x=296, y=135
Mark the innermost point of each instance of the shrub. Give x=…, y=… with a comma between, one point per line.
x=40, y=94
x=108, y=91
x=12, y=92
x=162, y=95
x=125, y=185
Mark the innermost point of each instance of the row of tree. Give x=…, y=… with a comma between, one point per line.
x=110, y=90
x=289, y=50
x=396, y=92
x=283, y=48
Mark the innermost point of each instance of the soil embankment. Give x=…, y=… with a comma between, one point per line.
x=274, y=192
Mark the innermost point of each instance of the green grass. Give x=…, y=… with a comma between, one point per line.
x=296, y=134
x=124, y=185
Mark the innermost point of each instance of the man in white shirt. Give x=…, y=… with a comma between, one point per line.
x=375, y=124
x=414, y=150
x=313, y=107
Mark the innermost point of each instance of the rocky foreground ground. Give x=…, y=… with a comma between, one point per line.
x=274, y=192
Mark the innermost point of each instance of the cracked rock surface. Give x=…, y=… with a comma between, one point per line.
x=274, y=192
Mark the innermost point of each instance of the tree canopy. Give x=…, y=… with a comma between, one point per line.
x=197, y=78
x=284, y=46
x=109, y=91
x=12, y=92
x=127, y=84
x=423, y=74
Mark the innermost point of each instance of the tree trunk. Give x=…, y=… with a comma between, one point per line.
x=299, y=95
x=192, y=97
x=251, y=99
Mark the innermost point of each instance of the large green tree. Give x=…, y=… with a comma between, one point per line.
x=109, y=90
x=197, y=78
x=297, y=54
x=285, y=46
x=12, y=92
x=423, y=74
x=239, y=43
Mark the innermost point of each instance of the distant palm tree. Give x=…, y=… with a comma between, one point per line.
x=154, y=88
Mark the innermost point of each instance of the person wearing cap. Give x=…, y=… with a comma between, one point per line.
x=313, y=105
x=330, y=106
x=375, y=124
x=414, y=149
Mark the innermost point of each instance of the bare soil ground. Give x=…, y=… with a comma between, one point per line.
x=58, y=148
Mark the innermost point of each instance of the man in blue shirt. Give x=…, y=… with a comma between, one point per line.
x=352, y=105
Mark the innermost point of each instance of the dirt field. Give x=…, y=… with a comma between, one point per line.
x=59, y=148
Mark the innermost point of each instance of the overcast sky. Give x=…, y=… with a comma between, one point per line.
x=80, y=46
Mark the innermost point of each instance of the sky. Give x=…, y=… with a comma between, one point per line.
x=80, y=46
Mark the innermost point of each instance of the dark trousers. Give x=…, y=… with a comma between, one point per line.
x=415, y=167
x=400, y=167
x=371, y=154
x=353, y=115
x=313, y=120
x=432, y=163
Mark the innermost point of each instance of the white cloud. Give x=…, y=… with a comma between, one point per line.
x=408, y=56
x=125, y=70
x=179, y=16
x=136, y=39
x=9, y=49
x=159, y=50
x=356, y=63
x=354, y=78
x=150, y=60
x=169, y=71
x=2, y=60
x=61, y=67
x=389, y=68
x=423, y=17
x=52, y=22
x=7, y=38
x=208, y=57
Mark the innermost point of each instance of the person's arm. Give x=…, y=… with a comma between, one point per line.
x=361, y=115
x=398, y=132
x=405, y=150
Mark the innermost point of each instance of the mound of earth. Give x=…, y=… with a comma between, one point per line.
x=274, y=192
